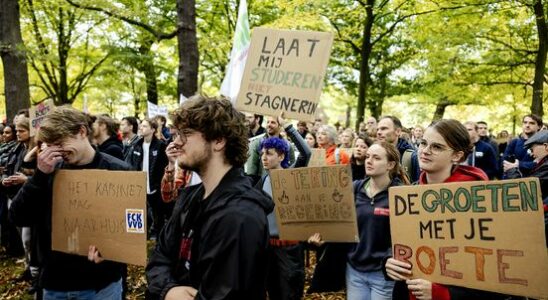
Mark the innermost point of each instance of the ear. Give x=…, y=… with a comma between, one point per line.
x=398, y=131
x=83, y=131
x=219, y=144
x=456, y=157
x=281, y=157
x=391, y=165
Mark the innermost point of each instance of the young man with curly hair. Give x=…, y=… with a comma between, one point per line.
x=214, y=246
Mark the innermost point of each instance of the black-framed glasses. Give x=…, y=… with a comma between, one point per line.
x=435, y=148
x=183, y=134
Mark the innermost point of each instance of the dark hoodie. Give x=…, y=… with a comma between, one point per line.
x=412, y=170
x=216, y=245
x=113, y=147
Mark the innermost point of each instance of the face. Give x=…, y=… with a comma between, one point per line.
x=417, y=133
x=23, y=134
x=434, y=153
x=472, y=131
x=73, y=148
x=539, y=151
x=371, y=122
x=125, y=127
x=310, y=140
x=483, y=130
x=7, y=134
x=97, y=128
x=360, y=149
x=250, y=119
x=386, y=131
x=301, y=127
x=194, y=151
x=322, y=137
x=271, y=159
x=272, y=126
x=145, y=129
x=530, y=126
x=346, y=138
x=376, y=161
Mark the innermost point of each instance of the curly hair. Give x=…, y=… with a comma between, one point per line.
x=280, y=146
x=215, y=118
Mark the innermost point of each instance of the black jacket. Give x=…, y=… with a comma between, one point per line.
x=157, y=160
x=113, y=147
x=32, y=206
x=216, y=245
x=13, y=165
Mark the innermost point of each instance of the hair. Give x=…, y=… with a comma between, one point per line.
x=535, y=118
x=455, y=135
x=315, y=140
x=162, y=118
x=393, y=155
x=395, y=120
x=23, y=111
x=280, y=146
x=331, y=133
x=260, y=117
x=418, y=126
x=472, y=123
x=23, y=122
x=482, y=123
x=133, y=122
x=62, y=122
x=111, y=124
x=216, y=118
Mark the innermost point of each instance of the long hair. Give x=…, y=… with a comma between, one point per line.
x=455, y=135
x=393, y=155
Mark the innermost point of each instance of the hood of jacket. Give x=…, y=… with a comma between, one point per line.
x=403, y=145
x=461, y=173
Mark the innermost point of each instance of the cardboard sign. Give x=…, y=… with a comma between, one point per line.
x=155, y=110
x=317, y=199
x=481, y=235
x=317, y=159
x=285, y=71
x=37, y=114
x=102, y=208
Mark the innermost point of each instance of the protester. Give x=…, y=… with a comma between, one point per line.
x=10, y=141
x=484, y=135
x=311, y=140
x=148, y=154
x=302, y=128
x=515, y=154
x=483, y=155
x=221, y=221
x=327, y=139
x=347, y=139
x=105, y=134
x=371, y=127
x=129, y=127
x=255, y=125
x=388, y=130
x=285, y=272
x=364, y=275
x=162, y=132
x=416, y=137
x=502, y=140
x=444, y=146
x=65, y=131
x=357, y=160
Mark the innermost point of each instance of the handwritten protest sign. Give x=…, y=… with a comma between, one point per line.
x=285, y=71
x=317, y=159
x=316, y=199
x=37, y=114
x=155, y=110
x=102, y=208
x=482, y=235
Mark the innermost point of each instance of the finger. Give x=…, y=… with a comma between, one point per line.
x=91, y=250
x=193, y=292
x=395, y=275
x=399, y=263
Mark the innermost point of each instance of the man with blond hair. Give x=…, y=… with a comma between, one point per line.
x=65, y=133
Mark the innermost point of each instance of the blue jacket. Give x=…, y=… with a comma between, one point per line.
x=515, y=147
x=415, y=171
x=484, y=157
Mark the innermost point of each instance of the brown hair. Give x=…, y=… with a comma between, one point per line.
x=392, y=154
x=455, y=135
x=62, y=122
x=215, y=118
x=23, y=122
x=111, y=124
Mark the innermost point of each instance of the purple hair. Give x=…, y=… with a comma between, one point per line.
x=279, y=145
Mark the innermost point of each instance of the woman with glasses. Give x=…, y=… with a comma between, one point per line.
x=445, y=144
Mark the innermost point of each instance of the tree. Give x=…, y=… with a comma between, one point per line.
x=12, y=51
x=540, y=61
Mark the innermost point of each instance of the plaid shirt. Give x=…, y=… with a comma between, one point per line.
x=172, y=182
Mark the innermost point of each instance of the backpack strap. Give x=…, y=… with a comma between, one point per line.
x=406, y=161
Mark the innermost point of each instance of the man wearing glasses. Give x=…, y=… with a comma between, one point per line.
x=214, y=245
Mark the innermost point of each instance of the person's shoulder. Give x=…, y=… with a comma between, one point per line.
x=112, y=163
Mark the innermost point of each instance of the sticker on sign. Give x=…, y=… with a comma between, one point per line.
x=135, y=221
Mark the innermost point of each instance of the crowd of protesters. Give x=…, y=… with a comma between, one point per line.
x=209, y=198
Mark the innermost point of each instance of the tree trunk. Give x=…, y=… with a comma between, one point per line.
x=364, y=63
x=348, y=113
x=16, y=78
x=187, y=80
x=440, y=109
x=540, y=61
x=149, y=70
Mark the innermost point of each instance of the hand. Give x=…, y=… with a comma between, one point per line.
x=173, y=151
x=181, y=293
x=316, y=240
x=397, y=270
x=94, y=255
x=420, y=288
x=49, y=158
x=31, y=154
x=283, y=122
x=6, y=181
x=18, y=178
x=506, y=165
